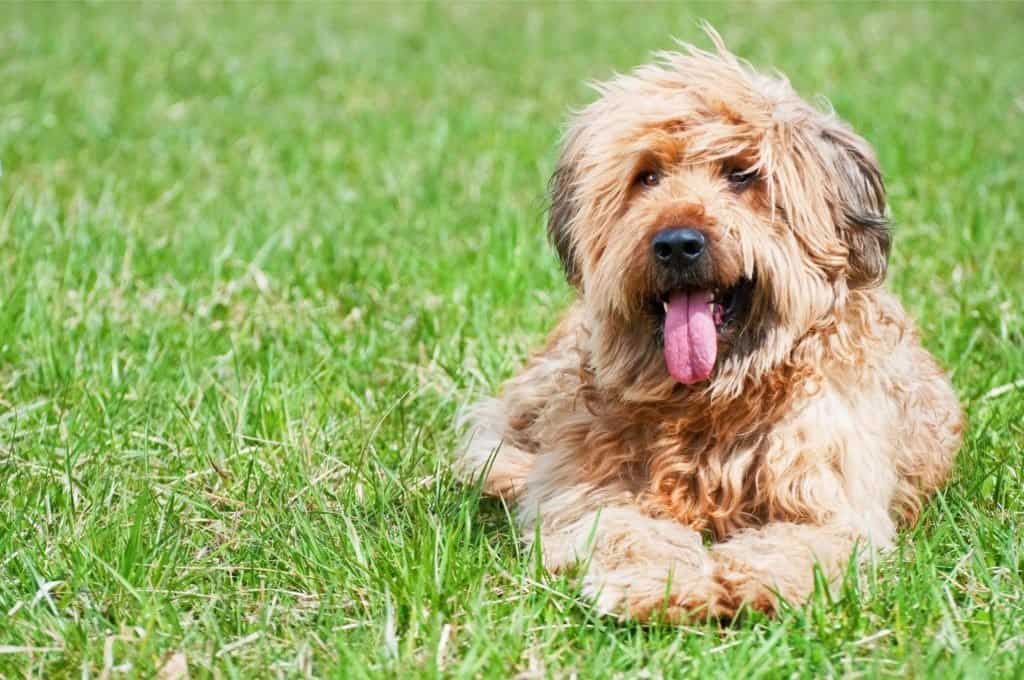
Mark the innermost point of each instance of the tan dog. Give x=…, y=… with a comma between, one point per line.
x=731, y=366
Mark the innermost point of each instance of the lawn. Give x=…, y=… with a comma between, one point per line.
x=254, y=257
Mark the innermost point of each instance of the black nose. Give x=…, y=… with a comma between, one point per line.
x=678, y=247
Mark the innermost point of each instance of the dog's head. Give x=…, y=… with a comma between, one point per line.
x=709, y=218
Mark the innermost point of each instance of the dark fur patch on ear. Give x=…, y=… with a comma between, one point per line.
x=863, y=224
x=869, y=239
x=563, y=209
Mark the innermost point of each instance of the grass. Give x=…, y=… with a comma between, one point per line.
x=253, y=257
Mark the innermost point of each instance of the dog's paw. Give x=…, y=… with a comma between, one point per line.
x=645, y=592
x=741, y=588
x=746, y=587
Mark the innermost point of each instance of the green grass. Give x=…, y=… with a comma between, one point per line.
x=252, y=259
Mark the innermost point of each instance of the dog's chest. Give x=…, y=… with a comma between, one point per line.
x=724, y=486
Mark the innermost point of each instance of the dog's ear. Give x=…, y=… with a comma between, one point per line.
x=860, y=218
x=563, y=210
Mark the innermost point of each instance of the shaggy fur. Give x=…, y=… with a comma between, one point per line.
x=824, y=424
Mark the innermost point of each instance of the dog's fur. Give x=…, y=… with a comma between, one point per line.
x=824, y=425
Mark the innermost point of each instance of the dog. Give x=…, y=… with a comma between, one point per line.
x=733, y=401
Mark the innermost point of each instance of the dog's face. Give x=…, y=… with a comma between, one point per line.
x=710, y=218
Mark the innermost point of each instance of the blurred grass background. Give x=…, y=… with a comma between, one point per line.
x=253, y=257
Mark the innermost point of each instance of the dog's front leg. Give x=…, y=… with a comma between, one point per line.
x=756, y=567
x=632, y=565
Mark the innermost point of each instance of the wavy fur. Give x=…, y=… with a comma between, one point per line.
x=824, y=425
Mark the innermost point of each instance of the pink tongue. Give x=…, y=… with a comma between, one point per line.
x=691, y=340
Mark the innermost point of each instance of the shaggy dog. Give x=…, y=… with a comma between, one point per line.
x=733, y=398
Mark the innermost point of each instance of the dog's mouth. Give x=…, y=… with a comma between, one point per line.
x=693, y=320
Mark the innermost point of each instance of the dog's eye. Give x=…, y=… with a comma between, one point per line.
x=740, y=178
x=648, y=178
